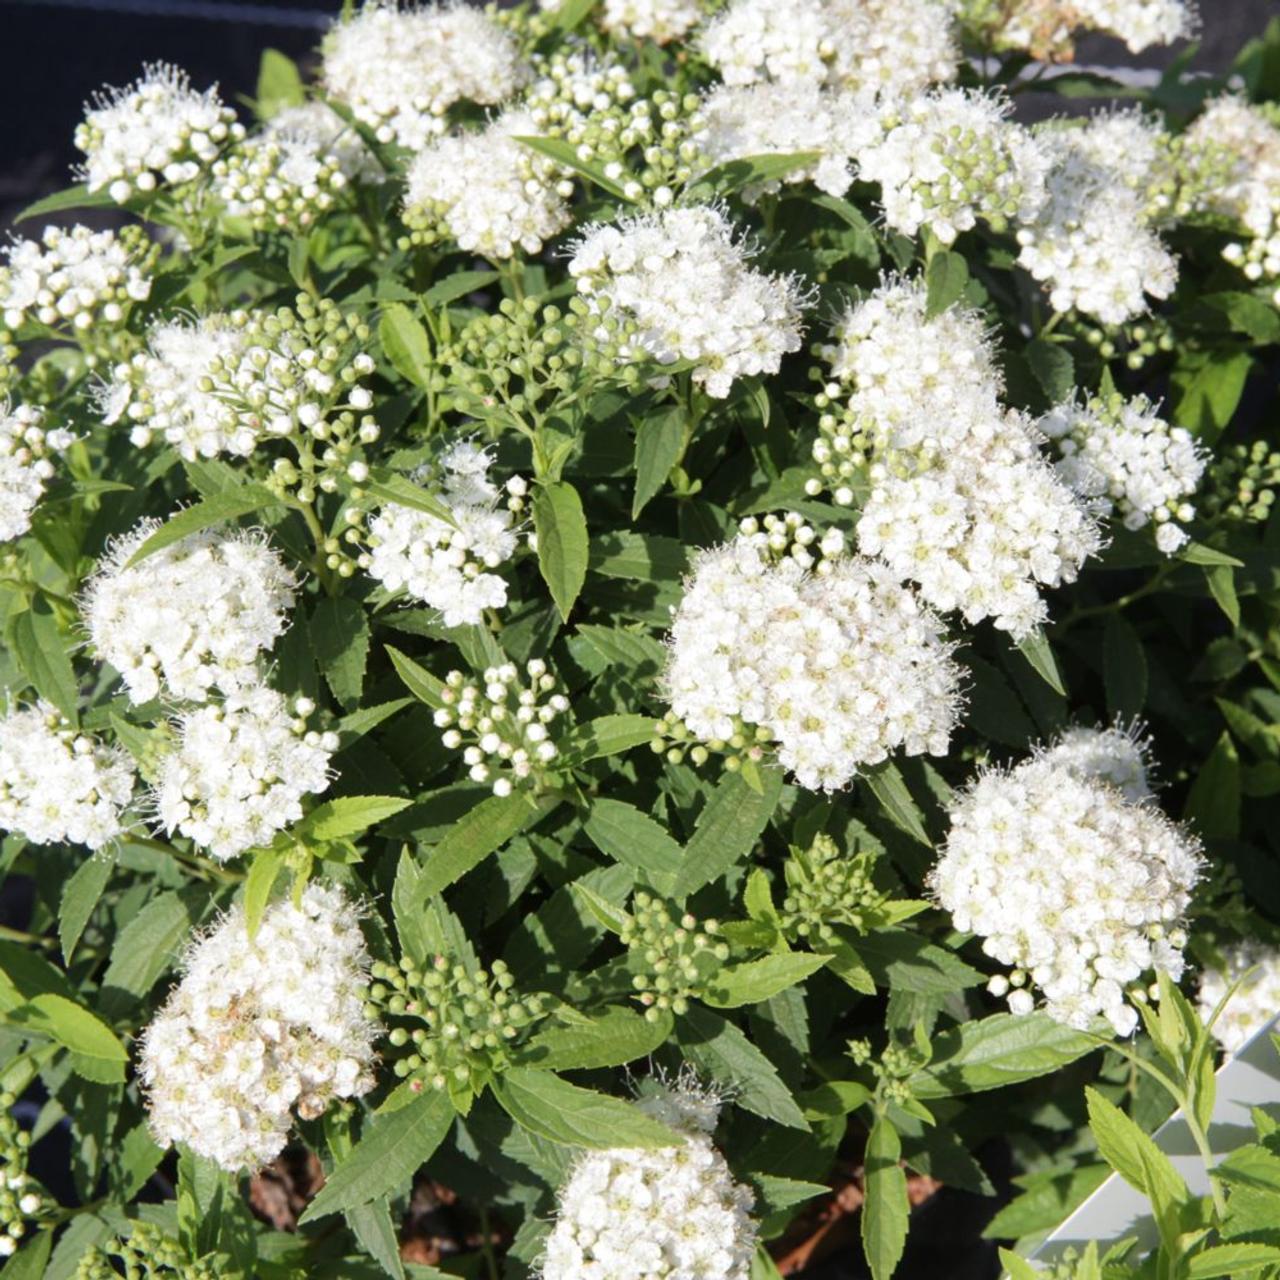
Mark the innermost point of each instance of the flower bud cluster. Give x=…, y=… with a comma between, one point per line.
x=686, y=283
x=789, y=536
x=487, y=192
x=193, y=617
x=504, y=727
x=147, y=1254
x=1243, y=482
x=672, y=960
x=21, y=1196
x=57, y=783
x=1046, y=28
x=951, y=156
x=82, y=282
x=665, y=1214
x=238, y=771
x=260, y=1028
x=958, y=497
x=826, y=888
x=25, y=465
x=156, y=131
x=1124, y=460
x=1085, y=925
x=471, y=1019
x=839, y=668
x=448, y=563
x=400, y=69
x=1255, y=1002
x=295, y=170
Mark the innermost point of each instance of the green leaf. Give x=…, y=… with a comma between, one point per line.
x=607, y=736
x=886, y=1208
x=1002, y=1049
x=146, y=947
x=77, y=197
x=633, y=838
x=42, y=652
x=227, y=505
x=552, y=1108
x=417, y=679
x=96, y=1052
x=1049, y=1196
x=456, y=286
x=1133, y=1155
x=727, y=829
x=30, y=1261
x=1213, y=803
x=752, y=171
x=349, y=816
x=1230, y=1260
x=1198, y=553
x=1053, y=367
x=340, y=638
x=389, y=1153
x=904, y=961
x=263, y=873
x=1039, y=653
x=756, y=980
x=279, y=84
x=640, y=557
x=372, y=1226
x=616, y=1037
x=659, y=444
x=1124, y=666
x=389, y=486
x=80, y=895
x=569, y=14
x=946, y=277
x=778, y=1194
x=1208, y=386
x=405, y=342
x=886, y=783
x=1019, y=1268
x=720, y=1049
x=479, y=832
x=566, y=154
x=1222, y=585
x=561, y=529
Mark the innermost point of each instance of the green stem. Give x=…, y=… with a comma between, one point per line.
x=1152, y=585
x=205, y=868
x=486, y=1244
x=31, y=939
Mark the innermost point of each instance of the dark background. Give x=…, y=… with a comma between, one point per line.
x=56, y=53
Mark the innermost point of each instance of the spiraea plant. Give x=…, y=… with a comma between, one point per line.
x=653, y=623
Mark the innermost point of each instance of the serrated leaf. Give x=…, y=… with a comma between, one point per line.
x=1048, y=1197
x=42, y=653
x=1019, y=1268
x=639, y=557
x=904, y=961
x=659, y=443
x=552, y=1108
x=886, y=783
x=388, y=1154
x=1039, y=653
x=1132, y=1153
x=389, y=486
x=279, y=84
x=96, y=1052
x=146, y=947
x=946, y=277
x=561, y=530
x=80, y=895
x=227, y=505
x=749, y=171
x=1198, y=553
x=77, y=197
x=886, y=1208
x=633, y=838
x=1230, y=1260
x=566, y=154
x=456, y=286
x=1222, y=586
x=727, y=829
x=481, y=831
x=263, y=872
x=1213, y=803
x=417, y=679
x=349, y=816
x=1053, y=367
x=616, y=1037
x=30, y=1261
x=405, y=342
x=340, y=638
x=607, y=736
x=756, y=980
x=777, y=1194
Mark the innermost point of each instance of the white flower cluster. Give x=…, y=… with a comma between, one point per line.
x=295, y=169
x=57, y=783
x=1256, y=1001
x=493, y=195
x=75, y=279
x=400, y=69
x=950, y=157
x=443, y=563
x=686, y=284
x=1122, y=458
x=506, y=726
x=1091, y=244
x=193, y=617
x=782, y=117
x=1139, y=23
x=839, y=668
x=961, y=500
x=1115, y=755
x=260, y=1028
x=157, y=130
x=890, y=47
x=658, y=20
x=1045, y=28
x=238, y=771
x=675, y=1213
x=25, y=465
x=1085, y=924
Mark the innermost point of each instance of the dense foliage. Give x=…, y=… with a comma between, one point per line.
x=626, y=606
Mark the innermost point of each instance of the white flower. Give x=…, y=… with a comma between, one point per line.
x=401, y=69
x=1256, y=1001
x=674, y=1213
x=950, y=157
x=25, y=465
x=1076, y=887
x=191, y=618
x=443, y=564
x=684, y=282
x=238, y=772
x=1116, y=755
x=839, y=667
x=260, y=1028
x=659, y=20
x=1045, y=27
x=158, y=130
x=57, y=783
x=1124, y=459
x=75, y=279
x=893, y=47
x=494, y=195
x=1139, y=23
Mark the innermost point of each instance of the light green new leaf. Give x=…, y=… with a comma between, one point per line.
x=417, y=679
x=1133, y=1155
x=565, y=153
x=456, y=286
x=227, y=505
x=1019, y=1268
x=390, y=486
x=1230, y=1260
x=80, y=895
x=1039, y=653
x=405, y=342
x=263, y=873
x=389, y=1153
x=552, y=1108
x=734, y=175
x=756, y=980
x=348, y=816
x=561, y=530
x=96, y=1052
x=886, y=1208
x=279, y=84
